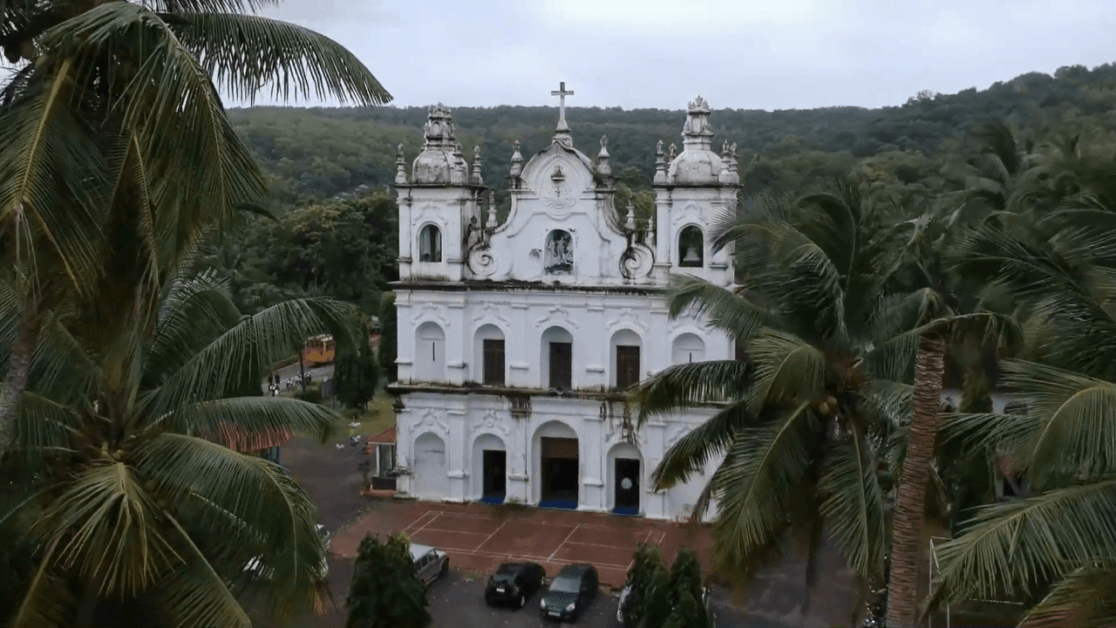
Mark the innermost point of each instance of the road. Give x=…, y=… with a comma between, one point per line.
x=317, y=374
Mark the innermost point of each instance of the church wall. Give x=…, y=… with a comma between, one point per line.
x=592, y=320
x=564, y=267
x=466, y=422
x=703, y=208
x=445, y=208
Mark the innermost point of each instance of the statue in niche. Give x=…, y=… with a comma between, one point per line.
x=559, y=253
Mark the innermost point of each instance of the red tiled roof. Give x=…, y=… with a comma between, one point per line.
x=246, y=442
x=386, y=436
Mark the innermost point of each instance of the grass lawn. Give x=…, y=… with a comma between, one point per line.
x=375, y=419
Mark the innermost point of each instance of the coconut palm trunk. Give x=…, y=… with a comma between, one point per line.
x=909, y=514
x=19, y=362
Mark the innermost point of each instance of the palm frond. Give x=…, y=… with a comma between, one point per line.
x=853, y=505
x=246, y=52
x=688, y=385
x=697, y=448
x=788, y=370
x=201, y=169
x=249, y=348
x=250, y=416
x=195, y=314
x=737, y=315
x=196, y=595
x=49, y=183
x=1084, y=599
x=1065, y=429
x=46, y=602
x=208, y=6
x=106, y=523
x=1010, y=549
x=756, y=484
x=277, y=513
x=43, y=426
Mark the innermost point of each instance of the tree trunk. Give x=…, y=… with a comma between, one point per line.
x=19, y=362
x=908, y=518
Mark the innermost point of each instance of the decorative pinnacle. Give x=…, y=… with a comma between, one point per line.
x=602, y=158
x=516, y=161
x=400, y=167
x=630, y=222
x=673, y=152
x=491, y=209
x=660, y=165
x=475, y=179
x=699, y=105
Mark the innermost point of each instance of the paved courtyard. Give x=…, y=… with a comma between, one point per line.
x=478, y=537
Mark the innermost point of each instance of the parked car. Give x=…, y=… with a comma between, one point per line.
x=429, y=562
x=257, y=571
x=570, y=592
x=514, y=584
x=625, y=598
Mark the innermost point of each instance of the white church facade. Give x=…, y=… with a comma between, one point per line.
x=518, y=338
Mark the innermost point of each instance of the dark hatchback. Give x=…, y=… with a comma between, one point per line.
x=514, y=584
x=570, y=592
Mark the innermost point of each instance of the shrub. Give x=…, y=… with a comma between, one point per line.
x=385, y=591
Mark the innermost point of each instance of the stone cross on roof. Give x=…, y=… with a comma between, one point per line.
x=561, y=93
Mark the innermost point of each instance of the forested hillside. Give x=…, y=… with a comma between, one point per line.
x=336, y=229
x=315, y=153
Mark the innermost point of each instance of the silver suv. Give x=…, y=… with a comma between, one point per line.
x=429, y=562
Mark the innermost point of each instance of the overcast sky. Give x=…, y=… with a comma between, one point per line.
x=740, y=54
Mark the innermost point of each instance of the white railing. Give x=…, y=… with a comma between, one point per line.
x=934, y=569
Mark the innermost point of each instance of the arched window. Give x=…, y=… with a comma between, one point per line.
x=430, y=353
x=625, y=359
x=559, y=253
x=688, y=348
x=430, y=244
x=557, y=359
x=489, y=352
x=691, y=247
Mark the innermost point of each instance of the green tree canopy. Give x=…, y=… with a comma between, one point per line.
x=385, y=591
x=138, y=482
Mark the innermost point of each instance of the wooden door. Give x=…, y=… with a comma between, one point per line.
x=561, y=365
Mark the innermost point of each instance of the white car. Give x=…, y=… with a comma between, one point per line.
x=258, y=572
x=429, y=562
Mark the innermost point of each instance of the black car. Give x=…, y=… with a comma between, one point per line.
x=570, y=592
x=514, y=583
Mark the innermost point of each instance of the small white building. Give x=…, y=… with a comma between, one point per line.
x=516, y=339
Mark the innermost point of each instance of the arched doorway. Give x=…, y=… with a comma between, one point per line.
x=625, y=472
x=490, y=469
x=431, y=480
x=557, y=466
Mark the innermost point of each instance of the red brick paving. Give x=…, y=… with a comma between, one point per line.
x=478, y=537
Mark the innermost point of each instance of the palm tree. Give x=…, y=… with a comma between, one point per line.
x=116, y=156
x=129, y=492
x=943, y=322
x=1056, y=550
x=802, y=427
